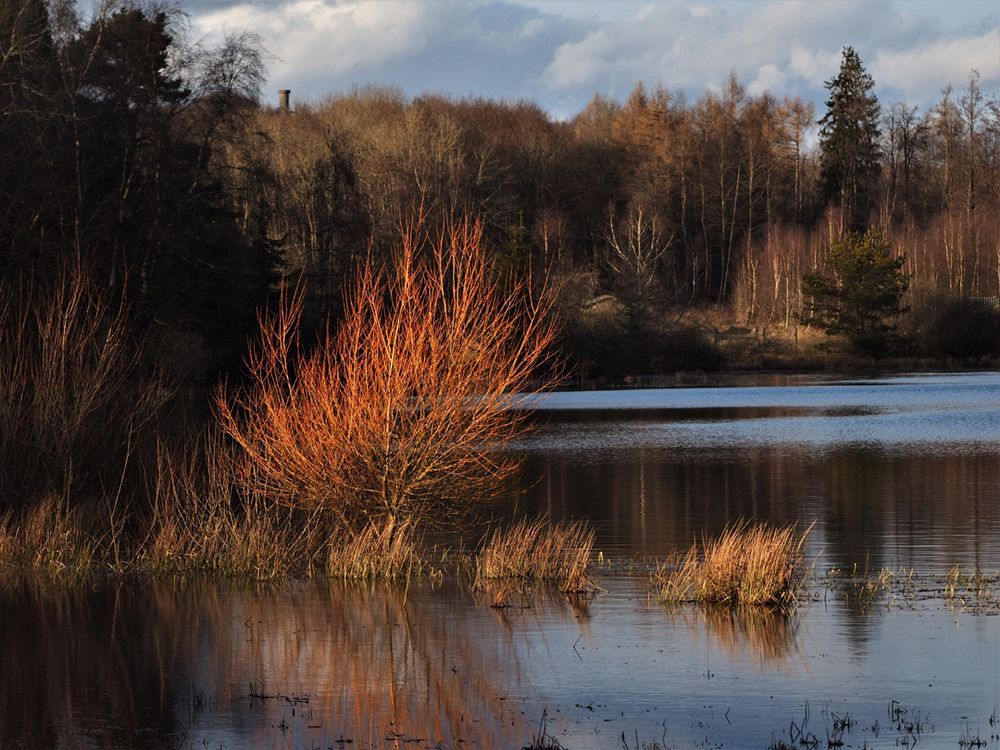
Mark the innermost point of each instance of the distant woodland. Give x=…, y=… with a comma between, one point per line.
x=667, y=228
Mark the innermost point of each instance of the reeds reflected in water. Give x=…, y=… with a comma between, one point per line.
x=769, y=635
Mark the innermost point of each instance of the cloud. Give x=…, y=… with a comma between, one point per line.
x=561, y=53
x=692, y=46
x=484, y=48
x=313, y=37
x=946, y=61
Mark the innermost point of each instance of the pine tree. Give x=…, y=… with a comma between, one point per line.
x=862, y=291
x=849, y=137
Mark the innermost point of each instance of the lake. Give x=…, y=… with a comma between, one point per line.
x=898, y=473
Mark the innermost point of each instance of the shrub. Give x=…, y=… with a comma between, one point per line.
x=403, y=414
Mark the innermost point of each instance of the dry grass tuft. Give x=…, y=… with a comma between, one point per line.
x=376, y=552
x=748, y=564
x=539, y=550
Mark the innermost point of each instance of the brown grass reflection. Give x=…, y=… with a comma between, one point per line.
x=303, y=666
x=768, y=635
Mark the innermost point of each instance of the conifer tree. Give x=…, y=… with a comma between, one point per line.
x=861, y=293
x=849, y=136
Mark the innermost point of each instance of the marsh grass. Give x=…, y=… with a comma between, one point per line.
x=200, y=525
x=972, y=586
x=49, y=540
x=748, y=565
x=375, y=552
x=538, y=550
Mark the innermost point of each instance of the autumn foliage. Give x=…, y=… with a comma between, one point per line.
x=403, y=412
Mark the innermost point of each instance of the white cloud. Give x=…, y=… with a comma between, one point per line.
x=785, y=46
x=769, y=78
x=312, y=37
x=812, y=66
x=940, y=63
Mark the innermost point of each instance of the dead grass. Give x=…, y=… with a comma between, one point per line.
x=47, y=540
x=200, y=525
x=376, y=552
x=748, y=564
x=538, y=550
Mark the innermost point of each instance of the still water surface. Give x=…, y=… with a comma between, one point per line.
x=894, y=472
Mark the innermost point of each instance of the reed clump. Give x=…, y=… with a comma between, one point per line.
x=539, y=550
x=375, y=552
x=750, y=564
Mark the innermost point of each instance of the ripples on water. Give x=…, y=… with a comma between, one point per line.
x=896, y=472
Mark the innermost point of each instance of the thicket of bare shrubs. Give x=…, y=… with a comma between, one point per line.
x=332, y=459
x=74, y=398
x=78, y=407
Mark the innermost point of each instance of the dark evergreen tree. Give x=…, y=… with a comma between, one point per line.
x=849, y=141
x=861, y=294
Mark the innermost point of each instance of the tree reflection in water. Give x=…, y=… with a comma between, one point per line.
x=159, y=665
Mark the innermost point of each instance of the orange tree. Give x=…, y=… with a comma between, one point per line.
x=403, y=414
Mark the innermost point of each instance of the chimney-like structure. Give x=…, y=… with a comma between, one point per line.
x=283, y=95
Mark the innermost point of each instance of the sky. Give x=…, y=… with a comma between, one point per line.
x=559, y=53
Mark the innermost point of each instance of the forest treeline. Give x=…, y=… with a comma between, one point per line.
x=153, y=161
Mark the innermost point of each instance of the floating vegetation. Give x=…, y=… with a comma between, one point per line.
x=969, y=591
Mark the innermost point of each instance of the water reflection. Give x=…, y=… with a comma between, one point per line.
x=769, y=635
x=155, y=666
x=307, y=665
x=902, y=474
x=873, y=508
